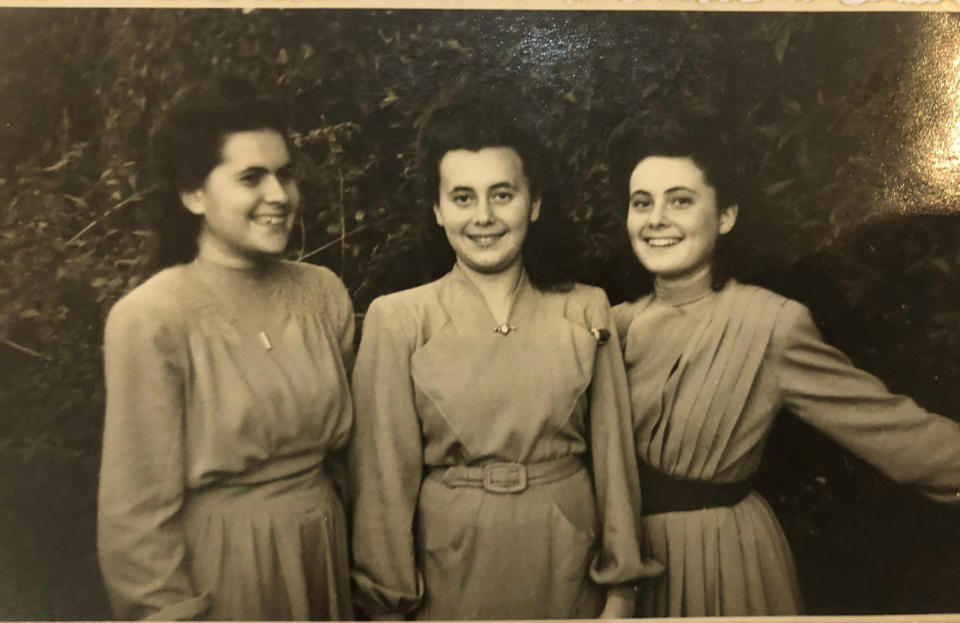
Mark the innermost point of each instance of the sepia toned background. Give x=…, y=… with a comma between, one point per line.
x=850, y=133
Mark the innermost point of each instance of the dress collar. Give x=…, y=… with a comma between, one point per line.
x=676, y=295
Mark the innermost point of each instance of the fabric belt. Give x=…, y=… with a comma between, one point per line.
x=276, y=468
x=509, y=477
x=662, y=493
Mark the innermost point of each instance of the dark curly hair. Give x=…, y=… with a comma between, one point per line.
x=715, y=150
x=186, y=144
x=476, y=115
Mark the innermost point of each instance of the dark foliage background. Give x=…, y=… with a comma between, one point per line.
x=847, y=208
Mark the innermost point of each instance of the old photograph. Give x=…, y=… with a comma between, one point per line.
x=349, y=313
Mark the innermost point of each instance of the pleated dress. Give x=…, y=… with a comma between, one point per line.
x=450, y=412
x=227, y=399
x=708, y=373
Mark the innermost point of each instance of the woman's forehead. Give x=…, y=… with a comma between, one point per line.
x=483, y=167
x=658, y=173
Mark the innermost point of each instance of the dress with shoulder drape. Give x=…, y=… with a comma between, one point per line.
x=708, y=373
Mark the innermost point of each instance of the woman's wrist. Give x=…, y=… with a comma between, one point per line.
x=621, y=600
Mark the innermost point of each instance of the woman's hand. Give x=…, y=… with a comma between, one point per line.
x=620, y=602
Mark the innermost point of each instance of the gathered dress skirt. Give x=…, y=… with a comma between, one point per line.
x=270, y=550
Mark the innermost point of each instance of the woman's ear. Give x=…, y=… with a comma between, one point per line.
x=728, y=217
x=192, y=200
x=534, y=210
x=436, y=213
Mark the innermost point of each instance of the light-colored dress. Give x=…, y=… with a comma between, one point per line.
x=216, y=500
x=708, y=373
x=437, y=386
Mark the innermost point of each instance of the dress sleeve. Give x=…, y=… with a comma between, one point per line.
x=386, y=462
x=139, y=536
x=341, y=309
x=820, y=385
x=618, y=559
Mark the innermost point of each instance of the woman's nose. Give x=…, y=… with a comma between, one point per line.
x=483, y=215
x=274, y=191
x=657, y=214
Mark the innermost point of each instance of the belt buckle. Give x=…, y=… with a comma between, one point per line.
x=504, y=477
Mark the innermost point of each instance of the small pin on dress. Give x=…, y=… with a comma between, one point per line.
x=505, y=329
x=265, y=341
x=600, y=335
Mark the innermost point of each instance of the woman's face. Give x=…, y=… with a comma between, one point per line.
x=673, y=220
x=485, y=207
x=248, y=201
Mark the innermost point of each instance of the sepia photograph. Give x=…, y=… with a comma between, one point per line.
x=478, y=314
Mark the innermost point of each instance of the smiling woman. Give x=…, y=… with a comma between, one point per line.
x=494, y=472
x=248, y=202
x=227, y=393
x=710, y=363
x=485, y=207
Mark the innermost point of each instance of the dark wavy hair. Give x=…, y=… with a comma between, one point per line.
x=186, y=144
x=473, y=116
x=715, y=150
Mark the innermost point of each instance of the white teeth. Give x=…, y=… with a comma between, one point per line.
x=662, y=242
x=270, y=219
x=486, y=239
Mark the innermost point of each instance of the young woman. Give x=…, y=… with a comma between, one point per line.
x=227, y=387
x=491, y=456
x=710, y=363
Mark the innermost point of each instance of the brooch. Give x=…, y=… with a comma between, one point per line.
x=600, y=335
x=505, y=329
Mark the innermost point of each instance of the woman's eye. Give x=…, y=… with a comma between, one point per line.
x=503, y=197
x=640, y=204
x=285, y=175
x=681, y=201
x=462, y=199
x=251, y=179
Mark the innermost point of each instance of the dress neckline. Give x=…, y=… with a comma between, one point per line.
x=519, y=288
x=264, y=269
x=676, y=295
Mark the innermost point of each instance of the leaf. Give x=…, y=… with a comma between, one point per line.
x=777, y=187
x=58, y=165
x=389, y=99
x=77, y=201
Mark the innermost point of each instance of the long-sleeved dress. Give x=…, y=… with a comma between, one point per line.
x=708, y=373
x=226, y=391
x=439, y=394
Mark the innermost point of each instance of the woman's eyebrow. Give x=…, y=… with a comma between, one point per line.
x=686, y=188
x=255, y=169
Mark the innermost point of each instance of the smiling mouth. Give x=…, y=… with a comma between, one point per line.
x=661, y=242
x=270, y=219
x=485, y=240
